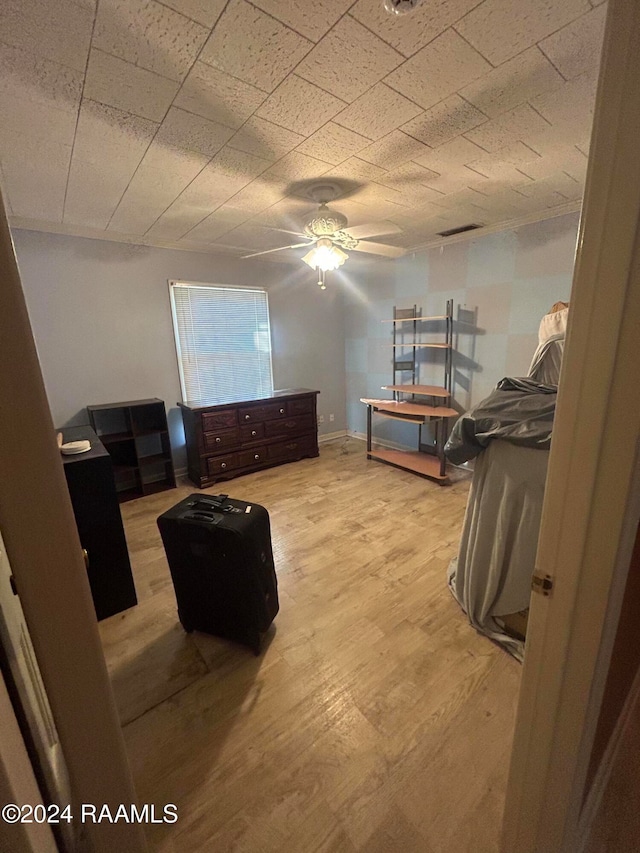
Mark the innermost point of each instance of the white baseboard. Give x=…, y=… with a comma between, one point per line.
x=329, y=436
x=380, y=442
x=603, y=773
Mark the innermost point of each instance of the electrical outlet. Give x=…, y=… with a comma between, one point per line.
x=320, y=419
x=332, y=417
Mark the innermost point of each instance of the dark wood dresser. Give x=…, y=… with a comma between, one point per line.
x=93, y=495
x=226, y=438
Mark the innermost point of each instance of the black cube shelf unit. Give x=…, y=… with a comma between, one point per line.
x=136, y=435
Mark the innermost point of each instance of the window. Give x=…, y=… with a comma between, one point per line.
x=223, y=341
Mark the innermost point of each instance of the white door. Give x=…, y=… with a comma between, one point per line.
x=29, y=693
x=591, y=507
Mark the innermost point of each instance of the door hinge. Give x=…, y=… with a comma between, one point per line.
x=542, y=584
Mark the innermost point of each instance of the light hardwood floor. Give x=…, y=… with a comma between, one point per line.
x=376, y=719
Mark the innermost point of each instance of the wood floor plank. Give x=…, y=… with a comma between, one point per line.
x=375, y=719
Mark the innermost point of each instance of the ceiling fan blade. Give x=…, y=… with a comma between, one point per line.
x=373, y=229
x=379, y=249
x=284, y=231
x=280, y=249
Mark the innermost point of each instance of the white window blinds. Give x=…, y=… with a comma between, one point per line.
x=223, y=341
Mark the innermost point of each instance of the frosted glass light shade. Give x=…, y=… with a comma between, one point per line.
x=325, y=256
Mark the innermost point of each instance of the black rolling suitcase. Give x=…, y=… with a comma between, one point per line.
x=221, y=562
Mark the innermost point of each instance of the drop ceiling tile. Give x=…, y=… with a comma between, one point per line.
x=461, y=179
x=300, y=106
x=35, y=175
x=162, y=175
x=256, y=238
x=220, y=222
x=393, y=150
x=265, y=139
x=288, y=213
x=296, y=167
x=150, y=35
x=500, y=29
x=52, y=123
x=513, y=126
x=186, y=130
x=466, y=199
x=455, y=153
x=253, y=46
x=445, y=121
x=333, y=143
x=571, y=107
x=120, y=84
x=348, y=61
x=497, y=170
x=217, y=96
x=409, y=33
x=29, y=78
x=106, y=135
x=208, y=191
x=260, y=194
x=516, y=81
x=438, y=70
x=34, y=192
x=205, y=12
x=238, y=164
x=60, y=31
x=94, y=190
x=358, y=170
x=552, y=191
x=407, y=176
x=575, y=49
x=311, y=20
x=378, y=112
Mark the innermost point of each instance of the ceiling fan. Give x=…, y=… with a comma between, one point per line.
x=326, y=236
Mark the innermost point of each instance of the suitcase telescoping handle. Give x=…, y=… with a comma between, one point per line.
x=215, y=503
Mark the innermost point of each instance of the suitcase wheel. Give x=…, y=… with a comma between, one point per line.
x=188, y=627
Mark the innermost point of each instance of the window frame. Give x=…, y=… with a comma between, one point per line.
x=178, y=282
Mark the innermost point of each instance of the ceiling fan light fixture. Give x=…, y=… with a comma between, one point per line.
x=325, y=256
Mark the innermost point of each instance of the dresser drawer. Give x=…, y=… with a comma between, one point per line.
x=252, y=457
x=217, y=465
x=289, y=426
x=212, y=421
x=300, y=407
x=221, y=440
x=255, y=414
x=252, y=432
x=306, y=445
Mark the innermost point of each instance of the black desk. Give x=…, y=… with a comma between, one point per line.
x=95, y=506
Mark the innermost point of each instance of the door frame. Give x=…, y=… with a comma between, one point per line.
x=592, y=500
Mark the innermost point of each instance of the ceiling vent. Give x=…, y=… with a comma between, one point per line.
x=400, y=7
x=460, y=230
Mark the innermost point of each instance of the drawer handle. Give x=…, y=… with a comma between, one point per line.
x=257, y=456
x=223, y=465
x=247, y=417
x=291, y=424
x=253, y=432
x=218, y=440
x=282, y=411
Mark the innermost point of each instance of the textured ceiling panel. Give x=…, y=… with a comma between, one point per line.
x=500, y=29
x=300, y=106
x=59, y=31
x=348, y=61
x=215, y=95
x=409, y=33
x=120, y=84
x=150, y=35
x=439, y=70
x=253, y=46
x=378, y=112
x=201, y=123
